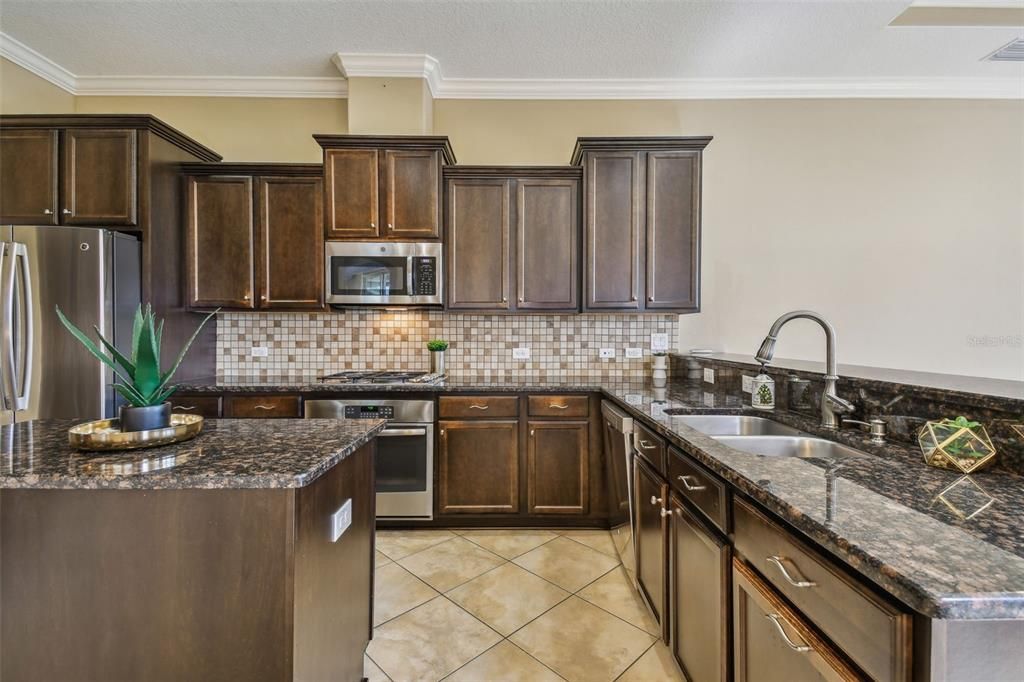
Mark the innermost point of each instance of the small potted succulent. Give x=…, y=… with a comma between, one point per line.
x=437, y=347
x=143, y=385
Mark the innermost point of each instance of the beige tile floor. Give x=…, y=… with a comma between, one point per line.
x=493, y=605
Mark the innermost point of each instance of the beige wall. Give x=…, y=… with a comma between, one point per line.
x=239, y=128
x=902, y=221
x=392, y=106
x=23, y=92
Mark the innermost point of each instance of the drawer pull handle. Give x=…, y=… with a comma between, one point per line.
x=559, y=407
x=689, y=486
x=647, y=445
x=777, y=560
x=263, y=407
x=479, y=407
x=775, y=618
x=183, y=407
x=656, y=500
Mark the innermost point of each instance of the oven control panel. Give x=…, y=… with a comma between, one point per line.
x=369, y=412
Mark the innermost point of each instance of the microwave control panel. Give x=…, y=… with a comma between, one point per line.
x=369, y=412
x=424, y=276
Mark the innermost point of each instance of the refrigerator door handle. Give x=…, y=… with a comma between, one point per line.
x=7, y=365
x=28, y=339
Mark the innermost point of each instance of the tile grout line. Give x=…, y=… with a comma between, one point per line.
x=429, y=587
x=642, y=654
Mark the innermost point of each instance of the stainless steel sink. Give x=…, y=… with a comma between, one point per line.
x=733, y=425
x=788, y=446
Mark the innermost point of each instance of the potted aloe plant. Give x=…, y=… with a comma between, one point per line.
x=437, y=347
x=143, y=385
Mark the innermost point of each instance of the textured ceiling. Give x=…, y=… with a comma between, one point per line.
x=504, y=39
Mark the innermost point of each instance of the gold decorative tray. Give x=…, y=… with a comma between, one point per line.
x=106, y=434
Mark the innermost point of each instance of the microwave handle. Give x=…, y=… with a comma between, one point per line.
x=409, y=283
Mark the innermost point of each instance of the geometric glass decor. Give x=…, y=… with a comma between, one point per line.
x=956, y=444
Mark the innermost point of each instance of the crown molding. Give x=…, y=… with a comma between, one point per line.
x=425, y=66
x=387, y=65
x=212, y=86
x=729, y=88
x=30, y=60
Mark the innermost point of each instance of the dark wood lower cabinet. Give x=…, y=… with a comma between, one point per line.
x=651, y=530
x=698, y=586
x=478, y=467
x=557, y=464
x=772, y=642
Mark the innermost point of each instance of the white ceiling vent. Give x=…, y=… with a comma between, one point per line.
x=1012, y=51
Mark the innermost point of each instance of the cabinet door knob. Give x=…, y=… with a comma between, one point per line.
x=664, y=512
x=47, y=211
x=390, y=226
x=263, y=297
x=373, y=224
x=66, y=211
x=650, y=298
x=656, y=500
x=246, y=297
x=520, y=299
x=532, y=433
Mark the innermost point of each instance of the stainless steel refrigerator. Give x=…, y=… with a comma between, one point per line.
x=94, y=276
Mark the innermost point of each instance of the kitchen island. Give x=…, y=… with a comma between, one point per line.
x=217, y=558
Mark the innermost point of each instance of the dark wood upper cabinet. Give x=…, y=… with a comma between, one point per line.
x=380, y=187
x=28, y=177
x=290, y=270
x=641, y=216
x=673, y=230
x=506, y=254
x=699, y=585
x=611, y=215
x=351, y=177
x=547, y=229
x=100, y=177
x=557, y=465
x=412, y=182
x=478, y=236
x=478, y=467
x=220, y=241
x=651, y=539
x=255, y=236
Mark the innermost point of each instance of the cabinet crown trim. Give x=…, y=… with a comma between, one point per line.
x=586, y=144
x=570, y=172
x=432, y=142
x=253, y=168
x=137, y=121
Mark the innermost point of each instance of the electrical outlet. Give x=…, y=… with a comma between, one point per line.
x=341, y=520
x=521, y=353
x=260, y=351
x=709, y=399
x=659, y=342
x=709, y=375
x=748, y=384
x=634, y=352
x=606, y=353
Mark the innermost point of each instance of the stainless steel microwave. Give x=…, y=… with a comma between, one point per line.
x=384, y=273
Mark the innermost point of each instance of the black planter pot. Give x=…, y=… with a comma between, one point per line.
x=145, y=418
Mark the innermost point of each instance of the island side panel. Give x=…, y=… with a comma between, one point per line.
x=145, y=584
x=334, y=580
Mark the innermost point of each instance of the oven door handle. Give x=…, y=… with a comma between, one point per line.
x=402, y=432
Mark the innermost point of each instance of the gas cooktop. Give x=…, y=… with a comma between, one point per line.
x=362, y=376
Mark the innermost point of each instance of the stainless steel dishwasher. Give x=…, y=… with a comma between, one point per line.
x=619, y=456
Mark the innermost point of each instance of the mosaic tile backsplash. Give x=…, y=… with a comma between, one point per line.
x=481, y=345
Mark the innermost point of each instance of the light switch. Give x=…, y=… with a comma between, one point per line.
x=341, y=520
x=659, y=342
x=634, y=352
x=260, y=351
x=521, y=353
x=709, y=375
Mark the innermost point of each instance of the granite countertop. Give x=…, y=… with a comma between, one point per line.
x=229, y=453
x=880, y=514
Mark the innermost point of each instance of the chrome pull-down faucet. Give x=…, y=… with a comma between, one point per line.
x=831, y=403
